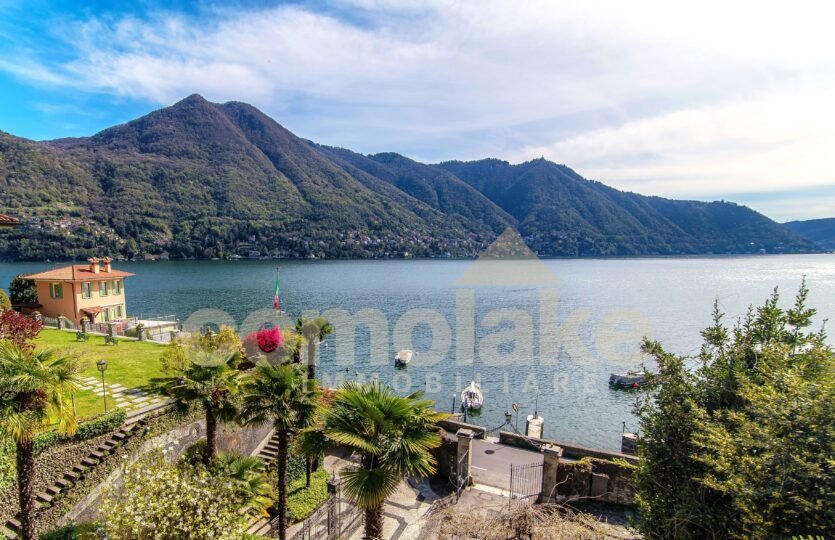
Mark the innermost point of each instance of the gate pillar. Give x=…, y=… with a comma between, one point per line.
x=464, y=456
x=549, y=472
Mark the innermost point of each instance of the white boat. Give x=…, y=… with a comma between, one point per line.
x=630, y=379
x=471, y=396
x=403, y=357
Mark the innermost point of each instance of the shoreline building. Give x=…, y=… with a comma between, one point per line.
x=92, y=291
x=8, y=222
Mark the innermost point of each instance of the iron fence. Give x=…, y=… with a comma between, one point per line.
x=337, y=518
x=525, y=483
x=462, y=474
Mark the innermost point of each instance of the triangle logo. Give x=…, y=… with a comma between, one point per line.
x=508, y=261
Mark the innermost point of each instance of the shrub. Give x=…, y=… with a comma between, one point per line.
x=7, y=462
x=268, y=339
x=195, y=455
x=86, y=430
x=23, y=291
x=303, y=501
x=81, y=531
x=166, y=501
x=5, y=303
x=19, y=329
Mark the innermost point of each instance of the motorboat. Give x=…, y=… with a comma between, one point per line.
x=403, y=357
x=471, y=397
x=630, y=379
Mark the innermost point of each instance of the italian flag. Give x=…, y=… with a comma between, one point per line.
x=277, y=290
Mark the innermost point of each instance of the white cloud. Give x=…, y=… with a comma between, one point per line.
x=766, y=143
x=655, y=96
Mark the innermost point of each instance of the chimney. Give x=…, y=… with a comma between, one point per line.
x=94, y=264
x=106, y=262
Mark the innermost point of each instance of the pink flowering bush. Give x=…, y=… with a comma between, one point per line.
x=268, y=339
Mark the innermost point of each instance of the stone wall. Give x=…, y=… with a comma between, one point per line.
x=452, y=426
x=596, y=479
x=571, y=451
x=51, y=464
x=231, y=438
x=446, y=455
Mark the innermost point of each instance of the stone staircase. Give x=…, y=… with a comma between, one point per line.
x=259, y=524
x=61, y=486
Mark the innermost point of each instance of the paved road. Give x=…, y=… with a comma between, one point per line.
x=491, y=462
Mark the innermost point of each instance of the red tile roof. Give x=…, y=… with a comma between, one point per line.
x=76, y=272
x=8, y=221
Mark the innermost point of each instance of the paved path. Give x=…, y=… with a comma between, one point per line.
x=125, y=398
x=491, y=462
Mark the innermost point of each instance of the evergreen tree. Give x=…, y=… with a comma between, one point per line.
x=742, y=445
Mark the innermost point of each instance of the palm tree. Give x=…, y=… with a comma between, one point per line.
x=393, y=436
x=315, y=331
x=212, y=381
x=247, y=474
x=34, y=386
x=312, y=443
x=282, y=395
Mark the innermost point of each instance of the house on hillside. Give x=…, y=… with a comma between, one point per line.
x=8, y=222
x=93, y=291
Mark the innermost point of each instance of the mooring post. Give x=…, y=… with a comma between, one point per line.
x=628, y=443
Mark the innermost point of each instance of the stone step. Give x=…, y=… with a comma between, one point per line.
x=119, y=436
x=89, y=462
x=96, y=454
x=63, y=483
x=6, y=533
x=44, y=498
x=13, y=525
x=260, y=525
x=54, y=490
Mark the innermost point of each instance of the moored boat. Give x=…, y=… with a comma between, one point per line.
x=403, y=357
x=471, y=396
x=630, y=379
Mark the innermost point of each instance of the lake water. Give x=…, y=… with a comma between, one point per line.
x=545, y=339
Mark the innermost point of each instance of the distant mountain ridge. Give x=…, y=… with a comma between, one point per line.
x=820, y=231
x=205, y=180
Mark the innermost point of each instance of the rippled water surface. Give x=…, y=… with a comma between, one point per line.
x=557, y=338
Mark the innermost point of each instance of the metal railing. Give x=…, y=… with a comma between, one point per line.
x=525, y=483
x=462, y=474
x=336, y=518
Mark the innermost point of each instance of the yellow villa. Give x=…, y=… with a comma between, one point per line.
x=93, y=291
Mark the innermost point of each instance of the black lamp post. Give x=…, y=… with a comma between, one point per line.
x=102, y=365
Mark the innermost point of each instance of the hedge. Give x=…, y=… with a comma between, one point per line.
x=303, y=501
x=86, y=430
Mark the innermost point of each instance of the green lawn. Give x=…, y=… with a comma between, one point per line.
x=130, y=363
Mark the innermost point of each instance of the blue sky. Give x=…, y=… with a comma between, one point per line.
x=712, y=100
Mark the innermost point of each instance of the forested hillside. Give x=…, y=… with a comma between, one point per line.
x=820, y=231
x=202, y=180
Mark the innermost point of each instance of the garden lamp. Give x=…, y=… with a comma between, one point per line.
x=102, y=365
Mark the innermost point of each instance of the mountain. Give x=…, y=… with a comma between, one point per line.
x=559, y=211
x=820, y=231
x=200, y=179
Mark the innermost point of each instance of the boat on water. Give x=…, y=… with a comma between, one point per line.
x=403, y=357
x=471, y=396
x=630, y=379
